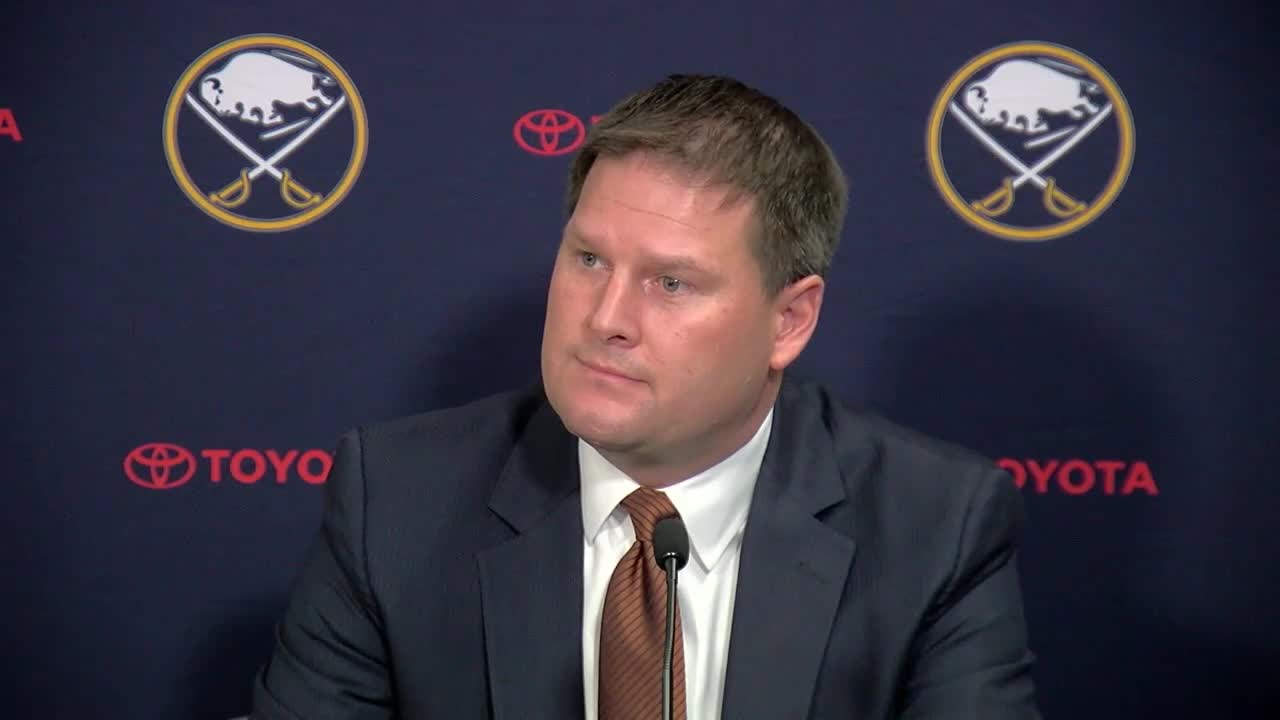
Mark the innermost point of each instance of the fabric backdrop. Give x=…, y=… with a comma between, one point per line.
x=236, y=229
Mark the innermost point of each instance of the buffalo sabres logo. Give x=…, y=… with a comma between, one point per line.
x=265, y=133
x=1038, y=141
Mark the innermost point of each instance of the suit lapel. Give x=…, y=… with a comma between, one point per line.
x=531, y=585
x=793, y=569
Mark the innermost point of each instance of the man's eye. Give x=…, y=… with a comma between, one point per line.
x=588, y=259
x=671, y=284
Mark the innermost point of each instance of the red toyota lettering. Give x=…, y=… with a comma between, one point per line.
x=281, y=464
x=1041, y=475
x=1083, y=469
x=237, y=466
x=1109, y=468
x=1014, y=468
x=9, y=125
x=1140, y=478
x=1081, y=477
x=215, y=458
x=304, y=466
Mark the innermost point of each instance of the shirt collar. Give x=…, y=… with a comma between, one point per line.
x=713, y=503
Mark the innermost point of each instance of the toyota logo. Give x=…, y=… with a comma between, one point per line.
x=160, y=466
x=549, y=132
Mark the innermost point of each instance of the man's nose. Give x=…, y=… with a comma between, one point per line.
x=613, y=317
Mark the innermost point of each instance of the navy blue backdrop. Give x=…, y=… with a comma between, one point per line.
x=234, y=230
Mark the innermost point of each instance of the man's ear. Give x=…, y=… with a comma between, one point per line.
x=795, y=314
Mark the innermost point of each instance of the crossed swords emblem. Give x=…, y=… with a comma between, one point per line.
x=1056, y=200
x=237, y=192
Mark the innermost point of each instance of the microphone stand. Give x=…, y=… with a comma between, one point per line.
x=667, y=671
x=671, y=552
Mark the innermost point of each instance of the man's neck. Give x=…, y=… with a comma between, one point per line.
x=660, y=472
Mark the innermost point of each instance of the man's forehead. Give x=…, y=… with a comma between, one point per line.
x=719, y=193
x=616, y=196
x=599, y=222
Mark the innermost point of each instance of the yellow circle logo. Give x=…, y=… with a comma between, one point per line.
x=265, y=133
x=1030, y=141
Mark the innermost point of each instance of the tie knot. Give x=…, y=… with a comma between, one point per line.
x=647, y=506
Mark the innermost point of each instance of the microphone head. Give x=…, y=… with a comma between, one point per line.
x=670, y=541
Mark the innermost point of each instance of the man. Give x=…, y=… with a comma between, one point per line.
x=495, y=560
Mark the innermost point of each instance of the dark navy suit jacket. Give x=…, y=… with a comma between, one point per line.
x=877, y=576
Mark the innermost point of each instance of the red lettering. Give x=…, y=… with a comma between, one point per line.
x=9, y=125
x=1109, y=469
x=215, y=458
x=1140, y=478
x=304, y=466
x=1064, y=477
x=595, y=119
x=237, y=466
x=1014, y=468
x=1041, y=475
x=281, y=464
x=1080, y=477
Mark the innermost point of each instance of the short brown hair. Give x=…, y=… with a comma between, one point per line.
x=719, y=129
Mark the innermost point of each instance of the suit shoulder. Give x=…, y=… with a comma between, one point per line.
x=449, y=457
x=493, y=417
x=901, y=480
x=868, y=443
x=911, y=444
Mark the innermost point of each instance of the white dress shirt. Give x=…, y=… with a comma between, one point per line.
x=713, y=505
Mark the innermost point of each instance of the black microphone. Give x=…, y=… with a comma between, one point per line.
x=671, y=552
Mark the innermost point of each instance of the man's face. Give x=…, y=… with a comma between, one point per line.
x=659, y=334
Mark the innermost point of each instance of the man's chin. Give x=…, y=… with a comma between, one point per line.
x=604, y=434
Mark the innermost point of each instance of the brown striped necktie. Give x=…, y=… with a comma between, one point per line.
x=632, y=628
